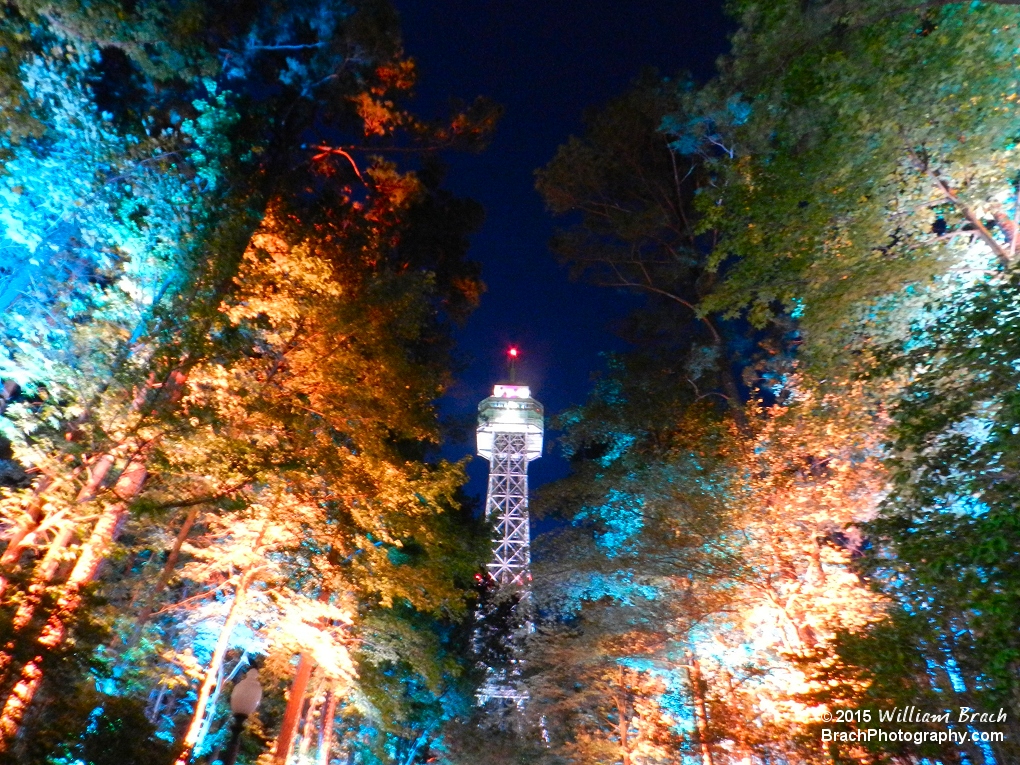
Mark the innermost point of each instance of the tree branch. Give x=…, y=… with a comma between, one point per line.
x=986, y=235
x=205, y=498
x=637, y=285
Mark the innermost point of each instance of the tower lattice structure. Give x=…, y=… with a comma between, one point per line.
x=510, y=432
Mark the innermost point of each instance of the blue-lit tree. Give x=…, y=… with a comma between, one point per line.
x=215, y=327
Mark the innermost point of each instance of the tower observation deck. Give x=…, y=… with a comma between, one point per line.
x=510, y=431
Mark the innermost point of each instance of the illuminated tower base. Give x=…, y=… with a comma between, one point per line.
x=510, y=430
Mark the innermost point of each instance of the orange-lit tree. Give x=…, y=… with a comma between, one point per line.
x=251, y=386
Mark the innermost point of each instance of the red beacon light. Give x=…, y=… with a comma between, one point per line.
x=511, y=357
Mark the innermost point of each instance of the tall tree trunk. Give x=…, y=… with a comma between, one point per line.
x=740, y=734
x=93, y=553
x=164, y=577
x=295, y=701
x=32, y=522
x=953, y=678
x=97, y=468
x=418, y=744
x=326, y=722
x=728, y=380
x=46, y=570
x=308, y=728
x=214, y=698
x=28, y=526
x=156, y=704
x=44, y=574
x=97, y=475
x=22, y=535
x=623, y=719
x=191, y=737
x=700, y=709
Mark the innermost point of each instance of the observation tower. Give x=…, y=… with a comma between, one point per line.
x=510, y=430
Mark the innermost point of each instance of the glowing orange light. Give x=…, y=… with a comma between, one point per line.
x=513, y=352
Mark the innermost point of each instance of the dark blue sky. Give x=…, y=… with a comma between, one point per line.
x=546, y=63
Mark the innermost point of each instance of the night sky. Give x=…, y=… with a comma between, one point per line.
x=546, y=63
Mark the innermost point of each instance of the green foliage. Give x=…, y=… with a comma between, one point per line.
x=472, y=741
x=638, y=230
x=851, y=162
x=880, y=668
x=865, y=128
x=115, y=730
x=951, y=518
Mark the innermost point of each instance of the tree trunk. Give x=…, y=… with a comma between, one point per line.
x=326, y=722
x=214, y=698
x=105, y=532
x=46, y=570
x=156, y=704
x=96, y=477
x=622, y=719
x=44, y=574
x=93, y=553
x=164, y=577
x=418, y=744
x=922, y=165
x=24, y=534
x=740, y=737
x=700, y=710
x=16, y=544
x=191, y=737
x=729, y=384
x=29, y=529
x=308, y=727
x=295, y=701
x=97, y=470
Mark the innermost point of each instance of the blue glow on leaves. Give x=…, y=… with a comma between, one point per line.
x=619, y=521
x=619, y=445
x=619, y=586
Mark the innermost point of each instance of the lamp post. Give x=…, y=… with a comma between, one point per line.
x=244, y=700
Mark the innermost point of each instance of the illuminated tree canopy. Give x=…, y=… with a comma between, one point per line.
x=832, y=222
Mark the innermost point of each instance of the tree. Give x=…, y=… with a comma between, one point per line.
x=639, y=228
x=948, y=520
x=715, y=564
x=271, y=358
x=863, y=152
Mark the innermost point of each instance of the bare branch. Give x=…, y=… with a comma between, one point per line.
x=694, y=309
x=924, y=166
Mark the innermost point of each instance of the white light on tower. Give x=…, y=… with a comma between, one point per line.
x=510, y=430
